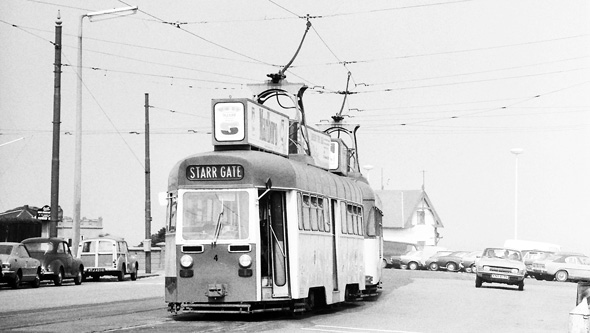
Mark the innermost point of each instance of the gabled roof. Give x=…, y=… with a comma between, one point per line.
x=399, y=207
x=20, y=214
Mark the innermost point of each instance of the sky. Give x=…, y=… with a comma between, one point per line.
x=443, y=90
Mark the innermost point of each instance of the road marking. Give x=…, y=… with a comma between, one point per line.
x=327, y=328
x=135, y=326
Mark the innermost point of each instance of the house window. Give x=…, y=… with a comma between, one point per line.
x=421, y=216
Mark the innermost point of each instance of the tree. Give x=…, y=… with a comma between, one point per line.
x=158, y=237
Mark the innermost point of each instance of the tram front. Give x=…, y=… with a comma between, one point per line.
x=218, y=245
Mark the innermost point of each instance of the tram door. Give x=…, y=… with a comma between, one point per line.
x=333, y=212
x=274, y=242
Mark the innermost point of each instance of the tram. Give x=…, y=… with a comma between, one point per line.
x=276, y=218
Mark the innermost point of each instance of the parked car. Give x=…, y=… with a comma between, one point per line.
x=412, y=260
x=107, y=256
x=531, y=256
x=392, y=251
x=57, y=261
x=563, y=267
x=18, y=266
x=417, y=259
x=445, y=260
x=501, y=265
x=468, y=261
x=539, y=271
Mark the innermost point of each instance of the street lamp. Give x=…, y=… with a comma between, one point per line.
x=78, y=152
x=368, y=167
x=516, y=152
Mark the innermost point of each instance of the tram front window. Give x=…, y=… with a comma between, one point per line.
x=212, y=215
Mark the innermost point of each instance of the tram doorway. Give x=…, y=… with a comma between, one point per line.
x=273, y=241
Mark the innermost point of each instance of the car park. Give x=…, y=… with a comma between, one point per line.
x=57, y=261
x=469, y=261
x=107, y=256
x=563, y=267
x=501, y=265
x=17, y=265
x=445, y=260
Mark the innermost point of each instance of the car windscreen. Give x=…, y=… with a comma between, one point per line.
x=39, y=247
x=5, y=249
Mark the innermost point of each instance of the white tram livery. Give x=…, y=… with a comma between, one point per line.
x=276, y=218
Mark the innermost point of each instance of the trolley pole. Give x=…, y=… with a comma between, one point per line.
x=148, y=210
x=54, y=215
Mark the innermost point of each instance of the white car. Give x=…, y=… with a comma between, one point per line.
x=500, y=265
x=566, y=267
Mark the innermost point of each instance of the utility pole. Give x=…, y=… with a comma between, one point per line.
x=148, y=210
x=54, y=215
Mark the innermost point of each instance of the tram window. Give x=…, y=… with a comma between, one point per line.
x=306, y=212
x=171, y=213
x=320, y=214
x=211, y=214
x=314, y=213
x=343, y=217
x=300, y=202
x=360, y=229
x=349, y=218
x=326, y=212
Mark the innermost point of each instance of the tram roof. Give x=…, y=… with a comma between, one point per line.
x=258, y=167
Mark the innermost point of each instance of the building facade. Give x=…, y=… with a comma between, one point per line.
x=409, y=216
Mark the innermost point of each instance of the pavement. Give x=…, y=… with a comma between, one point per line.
x=143, y=274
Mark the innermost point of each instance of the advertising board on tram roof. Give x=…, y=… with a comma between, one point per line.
x=245, y=122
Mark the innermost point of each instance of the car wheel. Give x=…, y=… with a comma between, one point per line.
x=451, y=267
x=58, y=280
x=36, y=283
x=134, y=276
x=78, y=278
x=15, y=284
x=384, y=263
x=412, y=266
x=561, y=276
x=478, y=282
x=521, y=285
x=121, y=274
x=433, y=266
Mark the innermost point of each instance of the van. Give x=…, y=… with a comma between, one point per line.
x=107, y=256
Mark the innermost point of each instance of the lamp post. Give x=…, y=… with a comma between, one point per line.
x=368, y=167
x=516, y=152
x=78, y=144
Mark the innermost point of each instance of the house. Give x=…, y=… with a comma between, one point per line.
x=27, y=221
x=409, y=216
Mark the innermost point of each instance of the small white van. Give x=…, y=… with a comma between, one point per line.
x=107, y=256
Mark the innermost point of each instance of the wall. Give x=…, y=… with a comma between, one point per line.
x=158, y=255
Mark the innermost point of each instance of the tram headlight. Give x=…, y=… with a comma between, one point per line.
x=186, y=261
x=245, y=261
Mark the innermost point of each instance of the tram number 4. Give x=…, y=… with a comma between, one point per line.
x=216, y=258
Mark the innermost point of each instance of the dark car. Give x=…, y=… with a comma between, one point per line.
x=392, y=252
x=18, y=266
x=445, y=260
x=57, y=261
